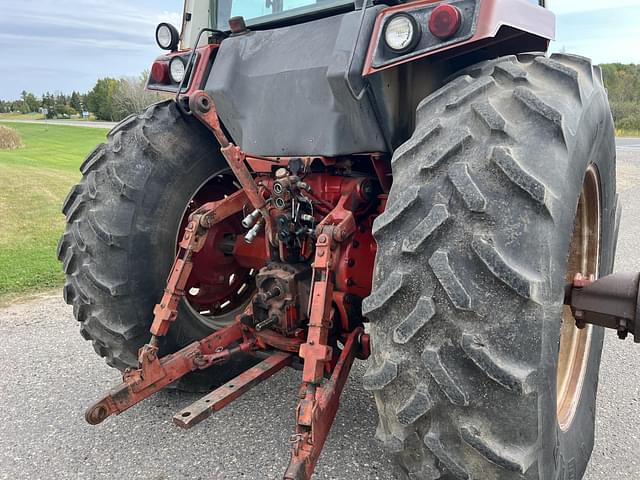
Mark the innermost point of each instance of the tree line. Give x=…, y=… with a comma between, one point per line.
x=57, y=105
x=110, y=99
x=113, y=99
x=623, y=85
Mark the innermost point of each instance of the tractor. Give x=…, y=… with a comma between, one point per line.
x=401, y=182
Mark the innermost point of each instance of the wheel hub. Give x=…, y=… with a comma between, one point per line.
x=575, y=343
x=218, y=284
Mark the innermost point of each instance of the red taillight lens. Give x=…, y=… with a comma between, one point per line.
x=160, y=72
x=445, y=21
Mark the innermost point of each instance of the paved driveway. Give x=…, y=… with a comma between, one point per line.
x=49, y=374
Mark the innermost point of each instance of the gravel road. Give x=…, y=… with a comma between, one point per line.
x=628, y=144
x=48, y=375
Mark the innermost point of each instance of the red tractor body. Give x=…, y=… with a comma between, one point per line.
x=285, y=250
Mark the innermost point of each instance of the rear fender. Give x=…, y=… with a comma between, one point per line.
x=491, y=18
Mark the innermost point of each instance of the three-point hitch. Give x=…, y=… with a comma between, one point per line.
x=299, y=312
x=285, y=320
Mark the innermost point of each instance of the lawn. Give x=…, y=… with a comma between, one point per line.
x=35, y=182
x=21, y=116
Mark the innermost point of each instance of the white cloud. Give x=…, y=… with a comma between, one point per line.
x=64, y=45
x=174, y=18
x=117, y=19
x=561, y=7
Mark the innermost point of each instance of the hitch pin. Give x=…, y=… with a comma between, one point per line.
x=250, y=220
x=253, y=233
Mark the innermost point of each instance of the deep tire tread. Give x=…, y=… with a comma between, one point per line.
x=467, y=188
x=445, y=367
x=519, y=379
x=107, y=213
x=510, y=458
x=503, y=268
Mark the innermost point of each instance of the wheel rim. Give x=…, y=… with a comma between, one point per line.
x=575, y=343
x=218, y=287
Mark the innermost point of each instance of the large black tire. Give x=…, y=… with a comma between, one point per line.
x=470, y=272
x=122, y=224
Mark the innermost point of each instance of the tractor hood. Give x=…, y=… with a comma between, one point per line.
x=298, y=90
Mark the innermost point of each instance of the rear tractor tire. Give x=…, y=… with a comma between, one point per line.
x=124, y=220
x=505, y=190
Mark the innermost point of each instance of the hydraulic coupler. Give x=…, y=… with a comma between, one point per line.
x=610, y=302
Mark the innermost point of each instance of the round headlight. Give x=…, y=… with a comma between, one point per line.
x=402, y=33
x=167, y=36
x=177, y=69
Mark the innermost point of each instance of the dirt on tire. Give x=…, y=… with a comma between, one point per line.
x=123, y=219
x=470, y=271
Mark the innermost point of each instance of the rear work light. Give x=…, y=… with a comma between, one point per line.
x=177, y=69
x=402, y=33
x=445, y=21
x=167, y=37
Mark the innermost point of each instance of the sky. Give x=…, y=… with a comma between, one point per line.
x=66, y=45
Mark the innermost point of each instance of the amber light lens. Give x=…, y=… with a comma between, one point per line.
x=445, y=21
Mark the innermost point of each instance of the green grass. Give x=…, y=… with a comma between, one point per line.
x=35, y=182
x=21, y=116
x=627, y=133
x=40, y=116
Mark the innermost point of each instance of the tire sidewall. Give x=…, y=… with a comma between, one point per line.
x=566, y=453
x=178, y=172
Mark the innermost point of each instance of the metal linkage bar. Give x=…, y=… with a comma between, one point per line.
x=156, y=373
x=224, y=395
x=153, y=374
x=193, y=240
x=203, y=107
x=317, y=408
x=314, y=422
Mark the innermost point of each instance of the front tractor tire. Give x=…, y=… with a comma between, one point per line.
x=505, y=190
x=124, y=219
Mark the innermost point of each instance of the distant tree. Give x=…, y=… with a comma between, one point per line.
x=623, y=85
x=131, y=96
x=100, y=99
x=62, y=99
x=64, y=111
x=48, y=101
x=30, y=103
x=76, y=101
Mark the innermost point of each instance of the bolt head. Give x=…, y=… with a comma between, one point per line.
x=237, y=25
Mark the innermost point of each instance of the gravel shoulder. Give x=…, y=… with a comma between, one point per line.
x=49, y=375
